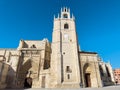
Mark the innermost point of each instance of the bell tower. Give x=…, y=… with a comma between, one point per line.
x=65, y=71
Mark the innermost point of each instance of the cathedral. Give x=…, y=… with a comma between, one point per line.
x=57, y=64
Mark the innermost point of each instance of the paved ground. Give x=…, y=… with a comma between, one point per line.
x=103, y=88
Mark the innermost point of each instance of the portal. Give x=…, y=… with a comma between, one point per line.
x=28, y=82
x=87, y=79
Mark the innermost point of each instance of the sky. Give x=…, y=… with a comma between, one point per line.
x=97, y=24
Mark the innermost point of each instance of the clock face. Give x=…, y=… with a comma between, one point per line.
x=66, y=36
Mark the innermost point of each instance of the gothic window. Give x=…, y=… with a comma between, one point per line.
x=66, y=26
x=65, y=16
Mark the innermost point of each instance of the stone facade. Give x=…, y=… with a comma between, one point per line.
x=117, y=75
x=90, y=69
x=60, y=64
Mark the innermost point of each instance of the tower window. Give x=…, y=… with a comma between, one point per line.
x=65, y=16
x=68, y=70
x=68, y=76
x=65, y=9
x=66, y=26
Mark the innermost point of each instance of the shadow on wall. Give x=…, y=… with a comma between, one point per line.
x=20, y=79
x=106, y=76
x=7, y=76
x=10, y=78
x=24, y=73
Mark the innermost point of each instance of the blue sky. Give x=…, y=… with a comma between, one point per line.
x=97, y=24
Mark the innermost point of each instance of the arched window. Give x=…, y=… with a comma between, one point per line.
x=33, y=46
x=65, y=10
x=66, y=26
x=65, y=16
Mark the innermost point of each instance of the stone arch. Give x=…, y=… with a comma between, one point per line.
x=87, y=75
x=65, y=15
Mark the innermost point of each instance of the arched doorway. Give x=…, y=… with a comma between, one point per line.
x=87, y=75
x=28, y=82
x=87, y=80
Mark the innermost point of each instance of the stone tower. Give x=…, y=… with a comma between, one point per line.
x=65, y=70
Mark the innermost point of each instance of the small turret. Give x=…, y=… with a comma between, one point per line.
x=20, y=45
x=64, y=14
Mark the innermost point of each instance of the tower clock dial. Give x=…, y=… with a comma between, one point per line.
x=66, y=36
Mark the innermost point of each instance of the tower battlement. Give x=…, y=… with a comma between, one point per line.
x=65, y=14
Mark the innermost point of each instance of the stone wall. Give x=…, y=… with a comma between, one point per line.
x=3, y=74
